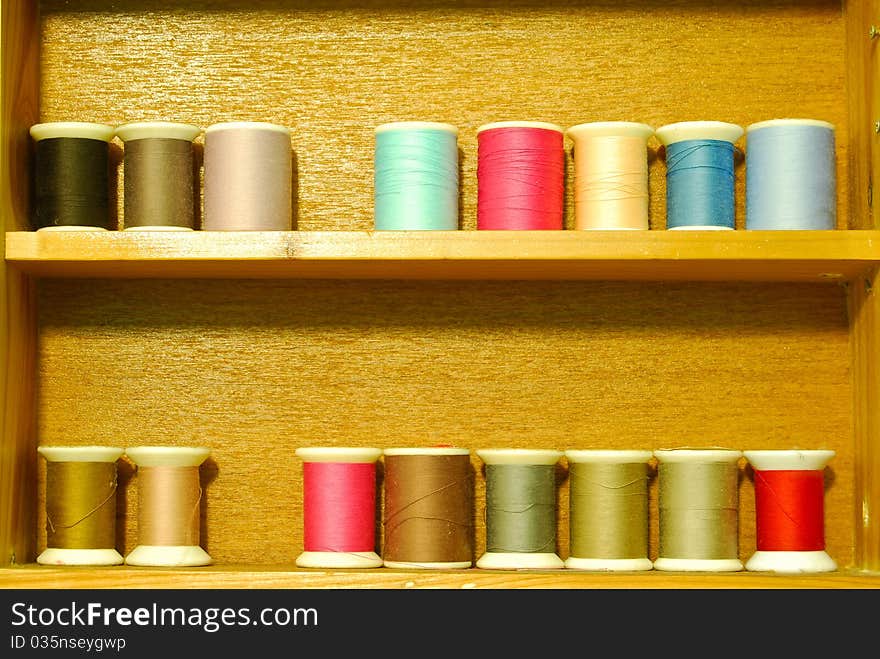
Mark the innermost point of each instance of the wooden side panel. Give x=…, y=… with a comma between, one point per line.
x=19, y=95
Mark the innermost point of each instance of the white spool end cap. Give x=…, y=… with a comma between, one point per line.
x=775, y=460
x=698, y=564
x=70, y=227
x=518, y=456
x=608, y=456
x=699, y=227
x=699, y=130
x=55, y=556
x=338, y=559
x=451, y=565
x=520, y=124
x=167, y=456
x=609, y=564
x=611, y=129
x=697, y=455
x=344, y=454
x=417, y=125
x=786, y=123
x=72, y=129
x=791, y=562
x=157, y=227
x=171, y=556
x=80, y=453
x=169, y=130
x=519, y=560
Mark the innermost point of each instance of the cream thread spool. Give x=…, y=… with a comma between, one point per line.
x=702, y=493
x=637, y=535
x=248, y=177
x=82, y=556
x=502, y=489
x=357, y=557
x=783, y=561
x=157, y=198
x=168, y=555
x=611, y=175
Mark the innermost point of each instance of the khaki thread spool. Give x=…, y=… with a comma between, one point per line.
x=72, y=163
x=608, y=504
x=789, y=508
x=158, y=168
x=611, y=175
x=428, y=517
x=169, y=506
x=248, y=177
x=80, y=505
x=699, y=510
x=520, y=509
x=339, y=507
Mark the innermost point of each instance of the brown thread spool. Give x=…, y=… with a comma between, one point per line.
x=248, y=177
x=158, y=167
x=80, y=505
x=72, y=163
x=428, y=508
x=169, y=497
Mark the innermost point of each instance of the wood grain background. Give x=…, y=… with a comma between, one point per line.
x=333, y=71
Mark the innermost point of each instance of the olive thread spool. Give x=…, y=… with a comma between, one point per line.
x=608, y=504
x=698, y=510
x=339, y=507
x=169, y=506
x=520, y=509
x=611, y=175
x=158, y=175
x=71, y=175
x=789, y=509
x=520, y=176
x=415, y=177
x=81, y=490
x=428, y=516
x=248, y=177
x=791, y=179
x=700, y=184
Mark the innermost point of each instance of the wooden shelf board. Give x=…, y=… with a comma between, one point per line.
x=831, y=256
x=260, y=576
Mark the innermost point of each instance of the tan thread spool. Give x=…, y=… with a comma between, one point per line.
x=428, y=519
x=699, y=510
x=248, y=177
x=80, y=505
x=169, y=498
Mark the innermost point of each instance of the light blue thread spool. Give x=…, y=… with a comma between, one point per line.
x=700, y=185
x=416, y=176
x=791, y=180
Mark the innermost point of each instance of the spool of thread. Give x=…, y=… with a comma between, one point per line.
x=159, y=181
x=520, y=176
x=428, y=516
x=339, y=507
x=416, y=176
x=80, y=505
x=248, y=177
x=699, y=510
x=72, y=167
x=611, y=175
x=608, y=506
x=520, y=509
x=791, y=180
x=700, y=184
x=790, y=511
x=169, y=506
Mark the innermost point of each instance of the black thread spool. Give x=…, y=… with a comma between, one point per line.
x=158, y=173
x=72, y=162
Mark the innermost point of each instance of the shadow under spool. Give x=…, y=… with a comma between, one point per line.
x=158, y=168
x=71, y=175
x=428, y=517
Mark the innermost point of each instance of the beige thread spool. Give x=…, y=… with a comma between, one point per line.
x=248, y=177
x=104, y=500
x=168, y=527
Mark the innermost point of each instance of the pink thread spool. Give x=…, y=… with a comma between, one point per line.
x=339, y=507
x=520, y=176
x=248, y=177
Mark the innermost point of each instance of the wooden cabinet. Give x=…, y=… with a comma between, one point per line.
x=257, y=343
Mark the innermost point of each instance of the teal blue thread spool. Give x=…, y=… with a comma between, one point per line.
x=416, y=177
x=700, y=185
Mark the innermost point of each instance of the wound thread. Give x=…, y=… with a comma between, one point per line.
x=81, y=505
x=520, y=508
x=428, y=518
x=520, y=176
x=168, y=506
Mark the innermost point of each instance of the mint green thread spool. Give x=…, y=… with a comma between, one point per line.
x=416, y=177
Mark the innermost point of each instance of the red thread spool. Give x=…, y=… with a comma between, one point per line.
x=520, y=176
x=790, y=511
x=339, y=507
